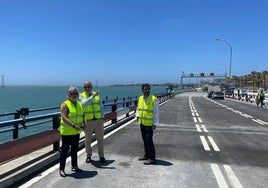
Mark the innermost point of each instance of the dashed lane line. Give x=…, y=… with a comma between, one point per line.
x=205, y=144
x=219, y=176
x=213, y=143
x=229, y=173
x=201, y=128
x=232, y=177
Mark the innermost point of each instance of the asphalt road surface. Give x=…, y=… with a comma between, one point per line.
x=200, y=143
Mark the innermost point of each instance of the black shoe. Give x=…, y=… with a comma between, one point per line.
x=76, y=169
x=88, y=160
x=143, y=159
x=150, y=162
x=62, y=173
x=102, y=160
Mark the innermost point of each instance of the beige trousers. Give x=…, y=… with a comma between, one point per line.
x=95, y=126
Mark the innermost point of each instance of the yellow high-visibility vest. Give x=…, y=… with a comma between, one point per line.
x=146, y=110
x=76, y=117
x=93, y=110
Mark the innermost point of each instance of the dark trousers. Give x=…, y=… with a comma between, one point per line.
x=147, y=137
x=67, y=141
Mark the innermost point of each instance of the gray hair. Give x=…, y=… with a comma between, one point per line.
x=73, y=91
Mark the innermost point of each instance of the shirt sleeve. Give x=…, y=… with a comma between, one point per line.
x=156, y=112
x=84, y=101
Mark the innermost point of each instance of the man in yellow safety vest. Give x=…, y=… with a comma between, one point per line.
x=94, y=115
x=148, y=118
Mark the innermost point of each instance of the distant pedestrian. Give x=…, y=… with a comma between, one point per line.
x=94, y=115
x=172, y=94
x=260, y=98
x=72, y=119
x=148, y=118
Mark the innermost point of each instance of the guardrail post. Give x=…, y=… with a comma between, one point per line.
x=124, y=104
x=56, y=125
x=114, y=108
x=16, y=126
x=127, y=105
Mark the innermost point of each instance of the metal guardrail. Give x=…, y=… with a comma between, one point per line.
x=22, y=120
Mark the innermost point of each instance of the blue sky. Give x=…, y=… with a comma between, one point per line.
x=65, y=42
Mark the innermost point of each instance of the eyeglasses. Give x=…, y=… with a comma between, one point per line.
x=88, y=87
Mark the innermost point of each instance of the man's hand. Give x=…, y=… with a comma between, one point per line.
x=96, y=94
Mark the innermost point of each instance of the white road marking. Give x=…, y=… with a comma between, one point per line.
x=219, y=177
x=257, y=121
x=213, y=143
x=204, y=142
x=204, y=128
x=242, y=114
x=232, y=177
x=262, y=121
x=198, y=128
x=246, y=115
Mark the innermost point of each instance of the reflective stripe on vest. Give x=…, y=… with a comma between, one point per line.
x=146, y=110
x=93, y=110
x=76, y=117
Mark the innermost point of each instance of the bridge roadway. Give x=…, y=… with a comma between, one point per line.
x=200, y=143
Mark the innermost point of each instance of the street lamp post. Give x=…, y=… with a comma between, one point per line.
x=231, y=53
x=225, y=69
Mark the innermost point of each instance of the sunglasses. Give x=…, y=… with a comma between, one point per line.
x=74, y=94
x=88, y=87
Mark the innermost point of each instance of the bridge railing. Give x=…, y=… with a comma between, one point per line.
x=118, y=110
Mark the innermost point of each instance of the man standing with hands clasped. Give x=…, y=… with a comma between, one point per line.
x=148, y=118
x=94, y=115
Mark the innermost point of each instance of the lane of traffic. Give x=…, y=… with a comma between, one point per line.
x=208, y=141
x=242, y=141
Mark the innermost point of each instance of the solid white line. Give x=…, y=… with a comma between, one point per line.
x=262, y=121
x=219, y=177
x=246, y=115
x=213, y=143
x=236, y=111
x=232, y=177
x=257, y=121
x=205, y=144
